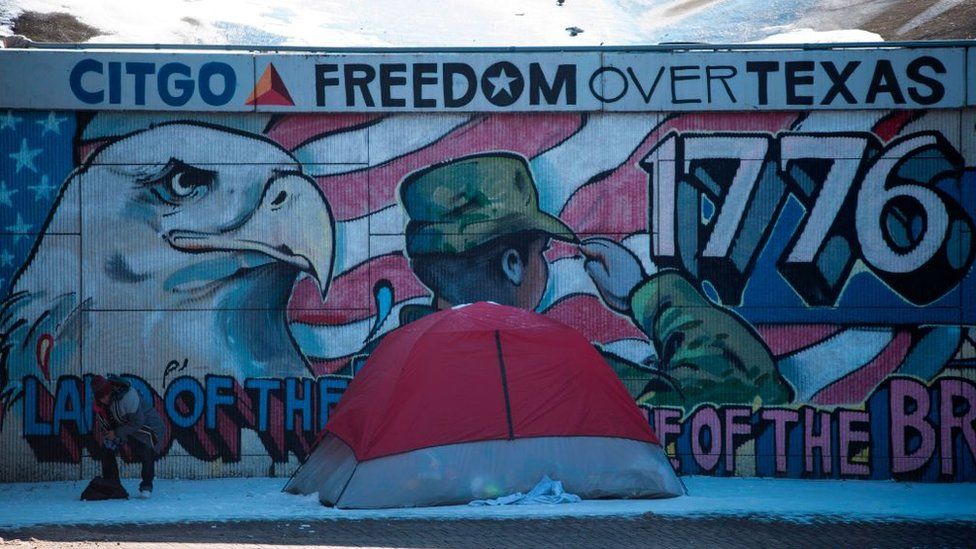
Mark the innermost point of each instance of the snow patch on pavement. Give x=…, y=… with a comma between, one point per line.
x=29, y=504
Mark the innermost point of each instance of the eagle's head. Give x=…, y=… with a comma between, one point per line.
x=192, y=238
x=190, y=213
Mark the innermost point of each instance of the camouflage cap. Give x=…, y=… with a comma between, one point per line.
x=455, y=206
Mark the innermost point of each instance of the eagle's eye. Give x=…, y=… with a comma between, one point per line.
x=181, y=182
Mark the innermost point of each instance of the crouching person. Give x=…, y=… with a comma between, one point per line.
x=126, y=419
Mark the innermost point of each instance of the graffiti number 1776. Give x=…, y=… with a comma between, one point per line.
x=716, y=197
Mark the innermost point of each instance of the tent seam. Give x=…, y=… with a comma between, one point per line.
x=508, y=402
x=346, y=485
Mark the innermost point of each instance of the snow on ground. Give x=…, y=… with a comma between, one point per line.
x=28, y=504
x=341, y=23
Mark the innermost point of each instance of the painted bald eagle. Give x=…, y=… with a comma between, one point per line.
x=192, y=237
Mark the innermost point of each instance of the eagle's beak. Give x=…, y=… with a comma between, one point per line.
x=293, y=224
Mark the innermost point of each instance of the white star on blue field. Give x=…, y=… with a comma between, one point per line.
x=36, y=155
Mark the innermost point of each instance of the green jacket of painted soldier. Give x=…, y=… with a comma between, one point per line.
x=475, y=232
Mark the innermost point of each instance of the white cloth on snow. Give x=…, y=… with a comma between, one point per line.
x=546, y=491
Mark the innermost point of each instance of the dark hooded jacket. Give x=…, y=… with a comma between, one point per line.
x=130, y=416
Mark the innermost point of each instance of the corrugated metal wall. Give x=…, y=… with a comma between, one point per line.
x=786, y=293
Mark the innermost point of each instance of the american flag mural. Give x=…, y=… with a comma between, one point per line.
x=588, y=172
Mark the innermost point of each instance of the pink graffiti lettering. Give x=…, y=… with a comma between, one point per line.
x=667, y=423
x=819, y=441
x=780, y=418
x=733, y=428
x=903, y=460
x=706, y=418
x=951, y=390
x=848, y=437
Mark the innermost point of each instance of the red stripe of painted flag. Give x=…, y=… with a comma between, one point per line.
x=359, y=193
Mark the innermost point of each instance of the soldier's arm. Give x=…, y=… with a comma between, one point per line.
x=706, y=353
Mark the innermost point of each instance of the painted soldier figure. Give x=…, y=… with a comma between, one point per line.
x=475, y=232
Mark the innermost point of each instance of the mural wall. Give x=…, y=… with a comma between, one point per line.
x=784, y=293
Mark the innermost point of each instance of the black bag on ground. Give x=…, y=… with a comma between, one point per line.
x=99, y=489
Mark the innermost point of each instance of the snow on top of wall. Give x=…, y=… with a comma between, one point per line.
x=458, y=23
x=341, y=23
x=810, y=36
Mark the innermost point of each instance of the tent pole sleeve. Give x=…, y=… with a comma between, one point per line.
x=508, y=404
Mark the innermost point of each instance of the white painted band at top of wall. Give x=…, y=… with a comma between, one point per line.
x=694, y=78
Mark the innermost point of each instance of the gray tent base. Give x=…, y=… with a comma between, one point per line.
x=590, y=467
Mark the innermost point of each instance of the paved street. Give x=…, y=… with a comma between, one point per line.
x=642, y=532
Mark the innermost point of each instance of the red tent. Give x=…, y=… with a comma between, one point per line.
x=481, y=401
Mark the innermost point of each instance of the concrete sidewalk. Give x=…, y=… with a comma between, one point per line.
x=246, y=499
x=640, y=532
x=718, y=512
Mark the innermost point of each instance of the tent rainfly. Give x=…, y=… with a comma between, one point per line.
x=480, y=401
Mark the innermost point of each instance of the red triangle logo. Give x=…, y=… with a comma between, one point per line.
x=270, y=90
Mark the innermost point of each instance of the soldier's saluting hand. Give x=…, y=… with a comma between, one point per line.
x=706, y=353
